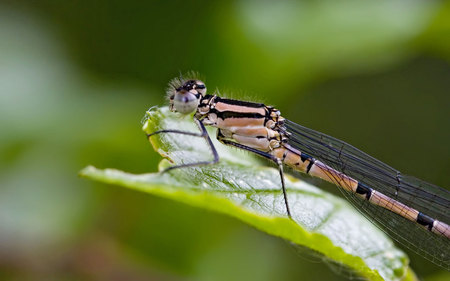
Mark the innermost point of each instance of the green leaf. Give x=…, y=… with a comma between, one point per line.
x=239, y=186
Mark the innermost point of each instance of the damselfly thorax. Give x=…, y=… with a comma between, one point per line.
x=411, y=210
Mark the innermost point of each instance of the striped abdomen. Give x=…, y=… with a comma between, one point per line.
x=307, y=164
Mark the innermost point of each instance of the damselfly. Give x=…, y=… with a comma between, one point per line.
x=413, y=212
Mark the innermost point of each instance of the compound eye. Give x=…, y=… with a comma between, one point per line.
x=185, y=102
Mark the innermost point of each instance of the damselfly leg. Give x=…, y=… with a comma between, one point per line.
x=204, y=134
x=277, y=161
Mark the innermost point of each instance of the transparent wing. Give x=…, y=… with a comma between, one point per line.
x=422, y=196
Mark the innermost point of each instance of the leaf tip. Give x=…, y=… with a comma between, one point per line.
x=88, y=170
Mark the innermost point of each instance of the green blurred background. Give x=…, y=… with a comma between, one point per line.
x=77, y=76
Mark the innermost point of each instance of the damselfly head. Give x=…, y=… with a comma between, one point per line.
x=185, y=95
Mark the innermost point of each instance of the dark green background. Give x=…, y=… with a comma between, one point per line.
x=77, y=76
